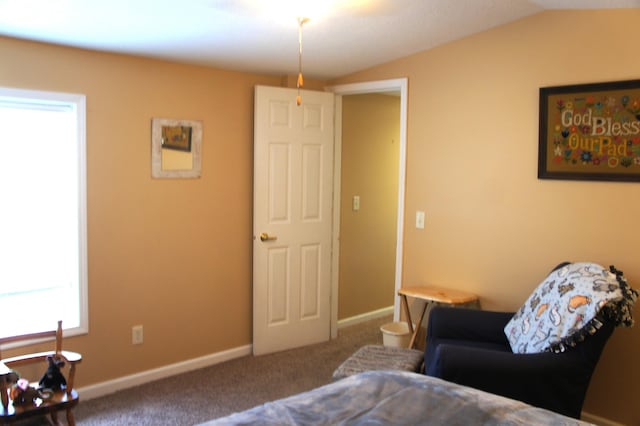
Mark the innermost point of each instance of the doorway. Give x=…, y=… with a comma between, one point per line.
x=396, y=87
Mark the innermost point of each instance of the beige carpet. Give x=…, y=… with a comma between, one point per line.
x=230, y=386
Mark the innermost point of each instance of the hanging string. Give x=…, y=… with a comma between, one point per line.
x=300, y=81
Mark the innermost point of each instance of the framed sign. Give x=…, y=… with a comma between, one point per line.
x=590, y=132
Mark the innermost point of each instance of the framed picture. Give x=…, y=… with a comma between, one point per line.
x=176, y=137
x=176, y=148
x=590, y=132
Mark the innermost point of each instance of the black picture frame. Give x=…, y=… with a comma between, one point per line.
x=590, y=132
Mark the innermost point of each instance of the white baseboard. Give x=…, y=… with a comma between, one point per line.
x=597, y=420
x=111, y=386
x=365, y=317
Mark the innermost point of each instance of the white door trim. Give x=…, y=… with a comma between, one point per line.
x=381, y=86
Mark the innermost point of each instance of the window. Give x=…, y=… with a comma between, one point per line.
x=43, y=262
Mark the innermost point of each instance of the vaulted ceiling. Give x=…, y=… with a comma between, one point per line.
x=261, y=36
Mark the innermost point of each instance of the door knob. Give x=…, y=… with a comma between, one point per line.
x=266, y=237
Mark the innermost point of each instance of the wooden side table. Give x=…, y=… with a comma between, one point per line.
x=431, y=295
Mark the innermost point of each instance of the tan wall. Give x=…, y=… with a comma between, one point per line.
x=370, y=151
x=491, y=226
x=173, y=255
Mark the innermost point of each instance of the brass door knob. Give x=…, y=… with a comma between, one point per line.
x=266, y=237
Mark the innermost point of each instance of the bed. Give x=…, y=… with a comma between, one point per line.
x=398, y=398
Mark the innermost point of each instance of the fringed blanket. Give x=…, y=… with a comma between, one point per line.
x=568, y=306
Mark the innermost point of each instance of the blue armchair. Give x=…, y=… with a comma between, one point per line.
x=470, y=347
x=545, y=353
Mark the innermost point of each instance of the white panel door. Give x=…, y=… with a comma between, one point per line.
x=292, y=202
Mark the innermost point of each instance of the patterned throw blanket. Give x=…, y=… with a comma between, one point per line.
x=570, y=304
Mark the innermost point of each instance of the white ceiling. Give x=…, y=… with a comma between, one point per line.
x=260, y=36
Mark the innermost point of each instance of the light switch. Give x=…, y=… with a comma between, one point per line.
x=355, y=203
x=420, y=219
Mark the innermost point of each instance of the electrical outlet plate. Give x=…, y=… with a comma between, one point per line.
x=136, y=335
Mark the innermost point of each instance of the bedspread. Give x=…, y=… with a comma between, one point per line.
x=395, y=398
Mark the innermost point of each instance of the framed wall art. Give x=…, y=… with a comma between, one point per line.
x=176, y=137
x=176, y=148
x=590, y=132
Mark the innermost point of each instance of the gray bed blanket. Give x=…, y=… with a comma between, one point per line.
x=395, y=398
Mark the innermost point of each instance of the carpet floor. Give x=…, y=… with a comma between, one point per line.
x=231, y=386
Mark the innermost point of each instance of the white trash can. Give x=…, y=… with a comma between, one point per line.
x=396, y=334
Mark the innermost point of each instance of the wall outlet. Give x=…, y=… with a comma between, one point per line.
x=136, y=335
x=420, y=219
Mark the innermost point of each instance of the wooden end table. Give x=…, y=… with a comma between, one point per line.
x=431, y=294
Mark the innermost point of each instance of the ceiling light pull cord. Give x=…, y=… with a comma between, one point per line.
x=300, y=81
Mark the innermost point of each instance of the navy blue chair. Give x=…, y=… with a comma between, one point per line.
x=469, y=347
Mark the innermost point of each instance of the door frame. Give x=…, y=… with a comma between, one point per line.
x=381, y=86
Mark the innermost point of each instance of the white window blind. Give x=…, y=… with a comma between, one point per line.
x=43, y=273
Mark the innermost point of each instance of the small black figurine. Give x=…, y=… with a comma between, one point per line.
x=53, y=378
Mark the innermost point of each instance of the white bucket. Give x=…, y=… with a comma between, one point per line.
x=396, y=334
